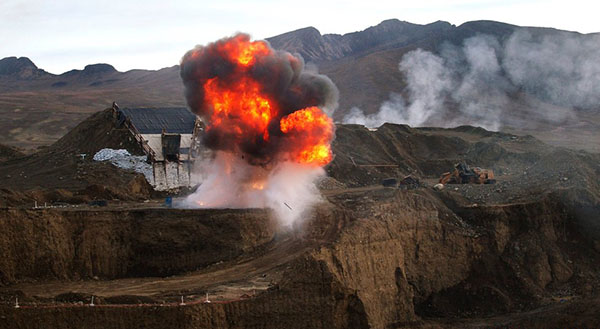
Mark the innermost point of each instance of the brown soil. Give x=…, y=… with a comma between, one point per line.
x=73, y=244
x=65, y=172
x=7, y=153
x=520, y=253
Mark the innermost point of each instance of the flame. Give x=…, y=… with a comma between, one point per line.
x=258, y=185
x=315, y=128
x=239, y=108
x=249, y=115
x=243, y=51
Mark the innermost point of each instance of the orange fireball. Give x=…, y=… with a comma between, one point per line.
x=258, y=102
x=313, y=132
x=244, y=51
x=239, y=108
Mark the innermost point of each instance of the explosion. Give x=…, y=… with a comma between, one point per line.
x=265, y=116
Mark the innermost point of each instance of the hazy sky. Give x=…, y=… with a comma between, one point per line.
x=60, y=35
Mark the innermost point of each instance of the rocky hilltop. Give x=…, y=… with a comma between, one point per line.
x=312, y=46
x=21, y=68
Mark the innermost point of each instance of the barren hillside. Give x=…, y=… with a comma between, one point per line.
x=37, y=108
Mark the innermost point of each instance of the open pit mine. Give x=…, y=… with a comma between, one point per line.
x=255, y=210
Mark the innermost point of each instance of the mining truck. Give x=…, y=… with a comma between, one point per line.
x=463, y=174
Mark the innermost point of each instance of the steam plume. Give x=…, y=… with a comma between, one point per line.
x=541, y=76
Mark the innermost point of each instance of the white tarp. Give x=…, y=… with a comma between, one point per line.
x=123, y=159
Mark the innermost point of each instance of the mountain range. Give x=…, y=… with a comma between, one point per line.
x=37, y=107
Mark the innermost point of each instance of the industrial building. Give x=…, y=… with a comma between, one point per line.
x=169, y=137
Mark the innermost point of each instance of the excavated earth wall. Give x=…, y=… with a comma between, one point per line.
x=373, y=257
x=395, y=259
x=74, y=244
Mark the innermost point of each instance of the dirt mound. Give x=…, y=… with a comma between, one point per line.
x=364, y=157
x=7, y=153
x=525, y=168
x=95, y=133
x=67, y=165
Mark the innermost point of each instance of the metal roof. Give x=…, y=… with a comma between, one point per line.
x=177, y=120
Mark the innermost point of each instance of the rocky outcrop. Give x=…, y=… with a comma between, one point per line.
x=392, y=33
x=21, y=68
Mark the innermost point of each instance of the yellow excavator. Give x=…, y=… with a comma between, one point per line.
x=463, y=174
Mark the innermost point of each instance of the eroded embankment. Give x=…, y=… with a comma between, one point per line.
x=392, y=259
x=407, y=255
x=72, y=244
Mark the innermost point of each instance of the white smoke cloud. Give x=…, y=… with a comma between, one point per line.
x=428, y=82
x=482, y=92
x=562, y=68
x=228, y=181
x=392, y=110
x=535, y=78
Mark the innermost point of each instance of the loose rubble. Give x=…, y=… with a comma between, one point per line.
x=123, y=159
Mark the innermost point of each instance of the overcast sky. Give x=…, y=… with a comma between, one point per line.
x=59, y=35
